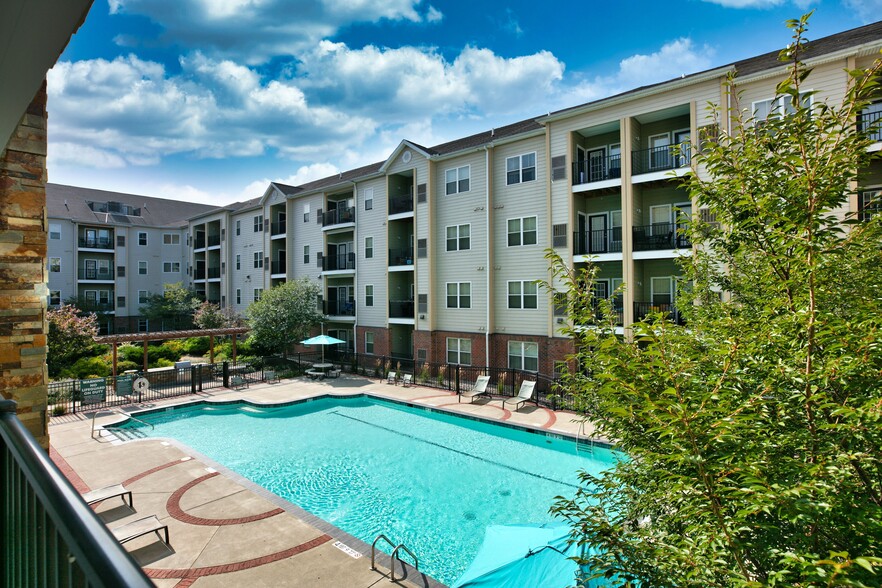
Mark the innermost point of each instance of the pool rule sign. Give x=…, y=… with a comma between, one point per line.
x=93, y=391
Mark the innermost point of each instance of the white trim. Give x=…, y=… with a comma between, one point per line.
x=459, y=295
x=458, y=179
x=521, y=168
x=458, y=237
x=522, y=295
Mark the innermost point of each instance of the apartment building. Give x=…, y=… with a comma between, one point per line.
x=110, y=251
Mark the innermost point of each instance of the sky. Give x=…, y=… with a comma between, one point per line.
x=210, y=100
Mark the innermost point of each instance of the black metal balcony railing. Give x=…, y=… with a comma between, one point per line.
x=339, y=307
x=97, y=242
x=655, y=159
x=278, y=228
x=401, y=204
x=642, y=309
x=213, y=273
x=338, y=216
x=277, y=267
x=600, y=241
x=660, y=236
x=338, y=262
x=98, y=307
x=199, y=273
x=871, y=121
x=95, y=274
x=401, y=256
x=199, y=242
x=401, y=309
x=597, y=169
x=213, y=240
x=50, y=537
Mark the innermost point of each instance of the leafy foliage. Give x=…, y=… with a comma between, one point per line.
x=753, y=434
x=211, y=316
x=175, y=306
x=70, y=336
x=284, y=315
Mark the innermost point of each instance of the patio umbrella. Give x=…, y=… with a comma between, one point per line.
x=525, y=555
x=322, y=340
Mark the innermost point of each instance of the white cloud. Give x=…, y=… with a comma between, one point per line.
x=763, y=4
x=434, y=15
x=867, y=10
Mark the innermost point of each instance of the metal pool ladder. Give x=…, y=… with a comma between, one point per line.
x=395, y=549
x=117, y=412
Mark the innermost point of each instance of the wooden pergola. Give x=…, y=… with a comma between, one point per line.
x=145, y=338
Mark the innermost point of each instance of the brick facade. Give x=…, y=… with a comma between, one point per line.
x=382, y=344
x=23, y=289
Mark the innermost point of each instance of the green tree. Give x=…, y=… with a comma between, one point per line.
x=753, y=434
x=173, y=308
x=209, y=315
x=70, y=336
x=284, y=315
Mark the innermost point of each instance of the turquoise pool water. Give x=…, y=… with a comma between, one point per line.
x=427, y=479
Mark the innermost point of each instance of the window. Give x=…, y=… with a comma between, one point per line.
x=369, y=295
x=523, y=356
x=459, y=351
x=457, y=180
x=91, y=296
x=171, y=267
x=422, y=248
x=238, y=228
x=142, y=296
x=142, y=238
x=258, y=223
x=54, y=231
x=368, y=198
x=54, y=297
x=258, y=259
x=238, y=261
x=257, y=293
x=522, y=231
x=54, y=264
x=120, y=240
x=368, y=247
x=459, y=295
x=120, y=301
x=120, y=271
x=104, y=296
x=306, y=254
x=520, y=168
x=171, y=239
x=459, y=238
x=783, y=105
x=306, y=213
x=369, y=342
x=143, y=325
x=142, y=268
x=523, y=294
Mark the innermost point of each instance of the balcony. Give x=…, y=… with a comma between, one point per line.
x=199, y=241
x=97, y=243
x=90, y=274
x=277, y=267
x=870, y=121
x=339, y=307
x=401, y=256
x=98, y=307
x=401, y=204
x=338, y=216
x=214, y=240
x=597, y=169
x=599, y=241
x=199, y=273
x=656, y=159
x=338, y=262
x=660, y=236
x=278, y=228
x=401, y=309
x=642, y=309
x=214, y=273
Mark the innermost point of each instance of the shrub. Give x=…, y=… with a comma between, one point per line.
x=196, y=346
x=124, y=366
x=88, y=367
x=163, y=362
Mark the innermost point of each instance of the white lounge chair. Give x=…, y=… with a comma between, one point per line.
x=479, y=389
x=102, y=494
x=392, y=378
x=525, y=394
x=407, y=380
x=270, y=376
x=140, y=527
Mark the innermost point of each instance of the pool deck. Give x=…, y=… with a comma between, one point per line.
x=225, y=530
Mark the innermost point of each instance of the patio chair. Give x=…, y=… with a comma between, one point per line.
x=271, y=376
x=140, y=527
x=102, y=494
x=334, y=372
x=479, y=389
x=525, y=394
x=238, y=382
x=407, y=380
x=392, y=378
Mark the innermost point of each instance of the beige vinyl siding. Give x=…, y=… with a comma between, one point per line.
x=65, y=248
x=645, y=271
x=247, y=278
x=371, y=223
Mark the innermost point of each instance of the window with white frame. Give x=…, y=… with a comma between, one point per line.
x=368, y=198
x=104, y=296
x=258, y=223
x=257, y=294
x=523, y=294
x=459, y=295
x=457, y=180
x=520, y=168
x=258, y=259
x=459, y=351
x=781, y=106
x=369, y=295
x=91, y=296
x=142, y=238
x=523, y=355
x=238, y=261
x=54, y=231
x=54, y=297
x=306, y=212
x=459, y=237
x=368, y=247
x=142, y=268
x=238, y=295
x=171, y=267
x=171, y=239
x=54, y=264
x=238, y=228
x=306, y=254
x=369, y=342
x=522, y=231
x=142, y=296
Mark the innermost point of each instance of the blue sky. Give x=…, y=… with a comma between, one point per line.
x=209, y=100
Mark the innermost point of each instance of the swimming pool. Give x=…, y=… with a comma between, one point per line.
x=430, y=480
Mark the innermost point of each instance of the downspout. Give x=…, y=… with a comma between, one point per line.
x=489, y=178
x=355, y=277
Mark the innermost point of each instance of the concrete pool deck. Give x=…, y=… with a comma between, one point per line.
x=225, y=530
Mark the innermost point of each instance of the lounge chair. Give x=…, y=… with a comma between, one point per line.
x=407, y=380
x=140, y=527
x=238, y=382
x=525, y=394
x=102, y=494
x=479, y=389
x=270, y=376
x=392, y=378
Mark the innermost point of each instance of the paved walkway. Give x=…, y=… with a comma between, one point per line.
x=226, y=531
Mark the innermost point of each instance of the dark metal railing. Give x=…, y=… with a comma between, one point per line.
x=213, y=240
x=597, y=169
x=213, y=273
x=870, y=121
x=660, y=158
x=600, y=241
x=401, y=256
x=199, y=242
x=95, y=274
x=401, y=309
x=660, y=236
x=278, y=228
x=50, y=537
x=97, y=243
x=642, y=309
x=277, y=267
x=401, y=204
x=338, y=216
x=338, y=262
x=199, y=273
x=339, y=307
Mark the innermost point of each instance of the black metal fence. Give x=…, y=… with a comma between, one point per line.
x=50, y=537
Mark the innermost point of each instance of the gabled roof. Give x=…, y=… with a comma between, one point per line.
x=427, y=153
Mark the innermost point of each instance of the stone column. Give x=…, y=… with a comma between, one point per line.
x=23, y=288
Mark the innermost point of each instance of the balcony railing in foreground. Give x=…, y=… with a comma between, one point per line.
x=660, y=159
x=597, y=169
x=50, y=537
x=339, y=307
x=338, y=216
x=642, y=309
x=401, y=309
x=599, y=241
x=660, y=236
x=871, y=120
